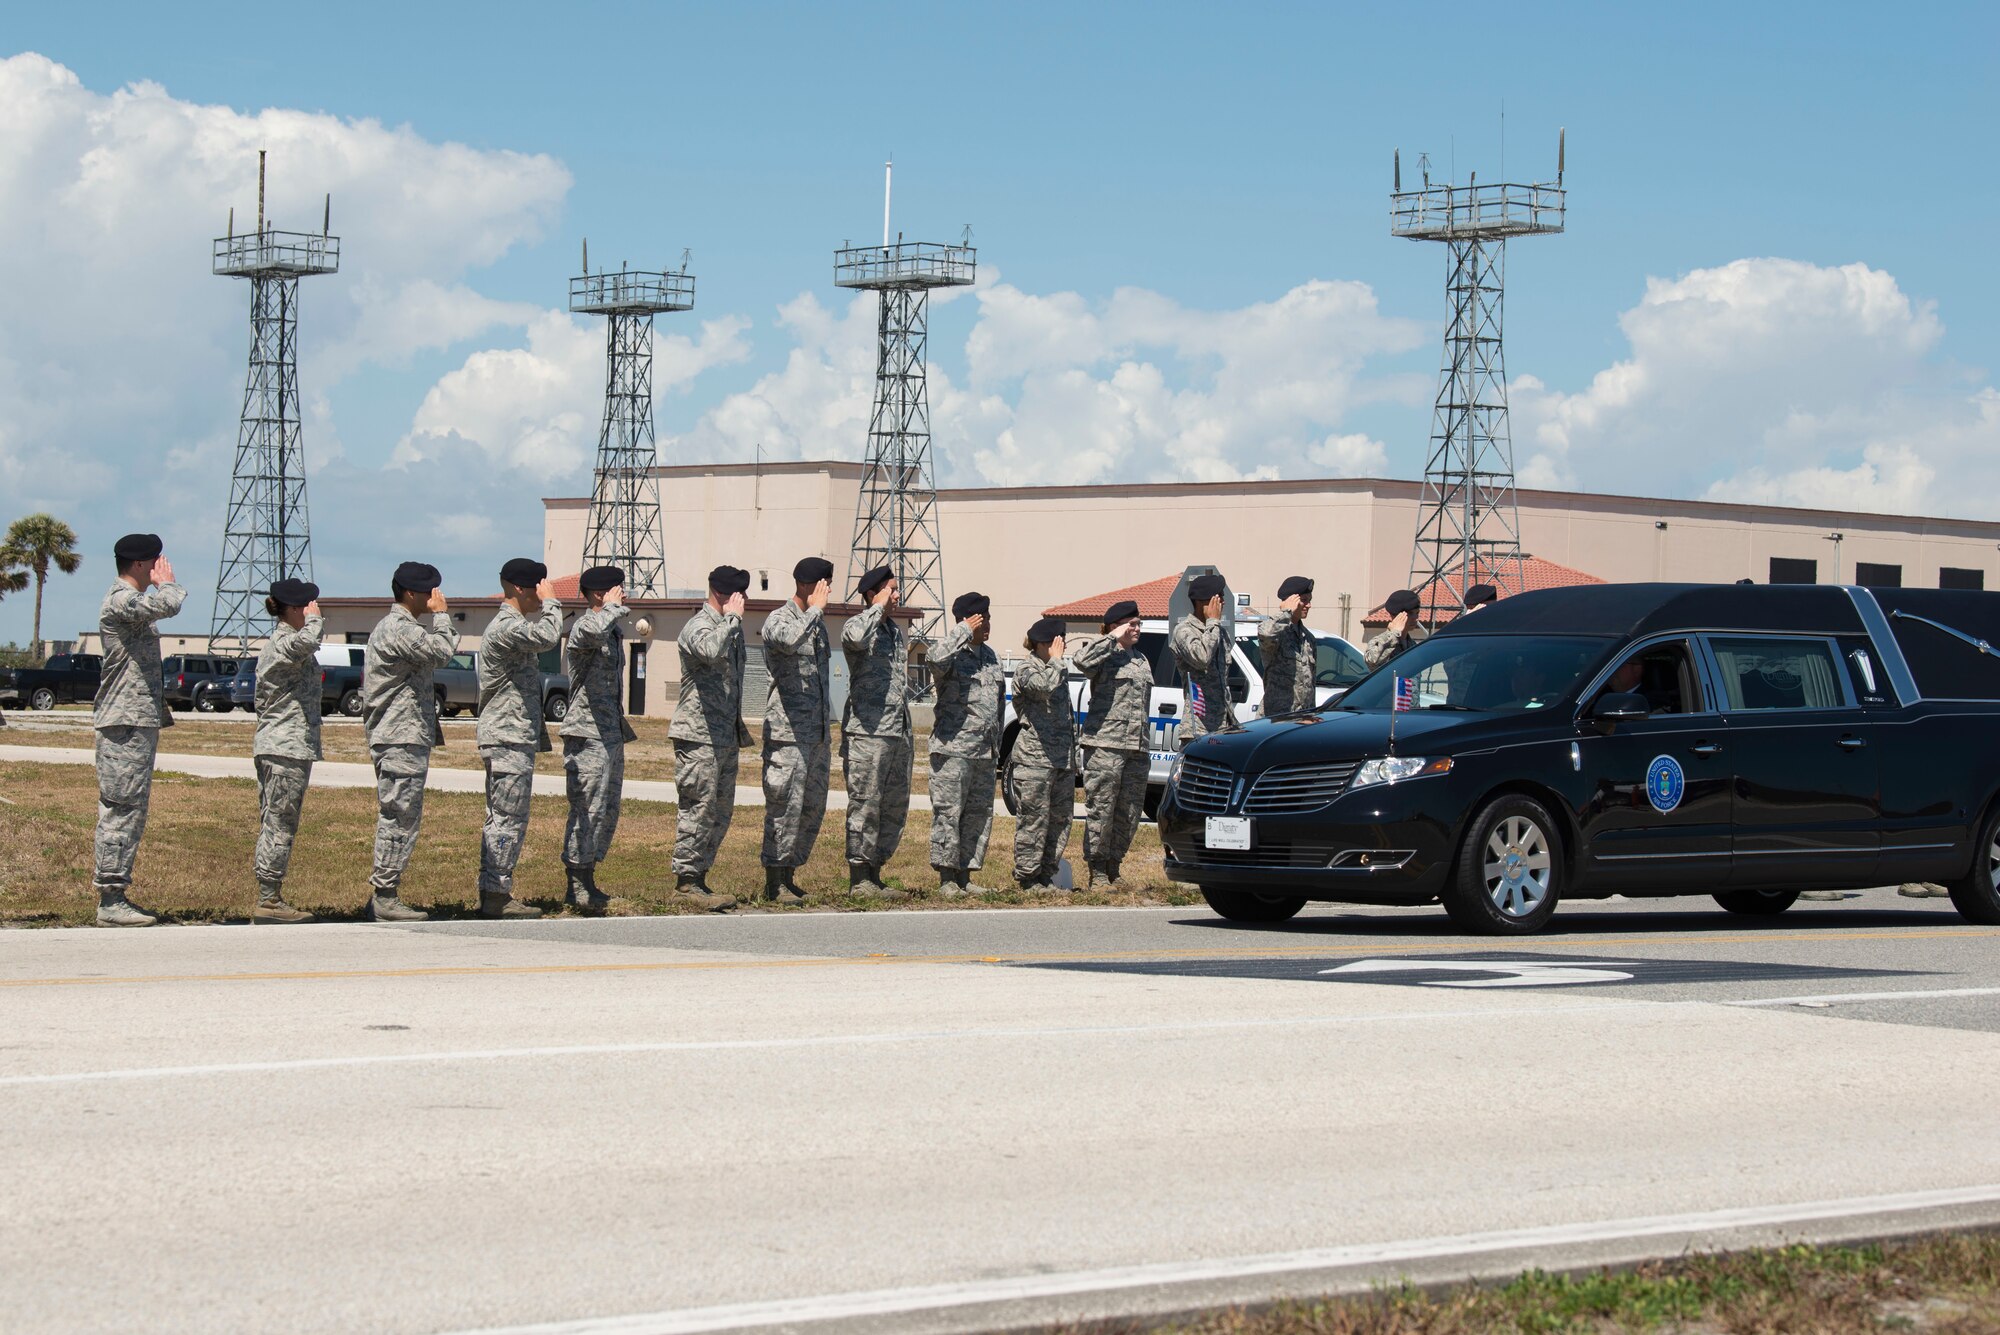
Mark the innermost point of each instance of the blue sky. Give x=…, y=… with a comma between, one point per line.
x=1216, y=158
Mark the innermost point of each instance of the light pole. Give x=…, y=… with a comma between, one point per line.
x=1836, y=539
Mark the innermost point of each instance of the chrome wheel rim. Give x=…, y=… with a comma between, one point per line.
x=1993, y=861
x=1520, y=867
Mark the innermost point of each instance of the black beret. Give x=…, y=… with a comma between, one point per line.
x=1204, y=587
x=1402, y=600
x=874, y=580
x=1120, y=611
x=970, y=605
x=599, y=578
x=417, y=577
x=1746, y=580
x=294, y=592
x=812, y=570
x=138, y=547
x=523, y=573
x=1480, y=594
x=1048, y=628
x=727, y=580
x=1295, y=584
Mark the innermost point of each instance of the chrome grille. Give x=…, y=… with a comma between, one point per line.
x=1291, y=790
x=1274, y=853
x=1203, y=787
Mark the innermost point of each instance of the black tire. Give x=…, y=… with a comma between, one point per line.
x=1515, y=890
x=205, y=704
x=350, y=703
x=1757, y=903
x=446, y=709
x=42, y=698
x=1976, y=895
x=556, y=707
x=1242, y=906
x=1151, y=806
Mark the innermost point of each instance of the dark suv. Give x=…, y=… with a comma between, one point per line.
x=199, y=682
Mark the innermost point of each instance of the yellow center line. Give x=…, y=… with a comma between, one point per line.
x=1566, y=946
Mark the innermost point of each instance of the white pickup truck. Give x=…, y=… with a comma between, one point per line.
x=1340, y=666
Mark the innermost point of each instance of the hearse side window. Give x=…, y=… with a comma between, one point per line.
x=1777, y=673
x=1664, y=674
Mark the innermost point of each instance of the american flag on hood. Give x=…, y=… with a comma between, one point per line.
x=1406, y=694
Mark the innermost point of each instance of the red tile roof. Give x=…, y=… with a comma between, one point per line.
x=1152, y=597
x=1531, y=572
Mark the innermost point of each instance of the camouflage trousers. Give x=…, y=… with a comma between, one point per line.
x=795, y=781
x=594, y=775
x=1114, y=797
x=705, y=780
x=399, y=810
x=961, y=809
x=1044, y=807
x=281, y=794
x=878, y=795
x=124, y=789
x=510, y=785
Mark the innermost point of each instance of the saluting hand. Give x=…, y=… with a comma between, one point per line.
x=1397, y=622
x=163, y=571
x=821, y=592
x=545, y=590
x=312, y=608
x=1291, y=604
x=1057, y=647
x=615, y=596
x=436, y=602
x=733, y=606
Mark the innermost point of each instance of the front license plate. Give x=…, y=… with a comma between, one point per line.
x=1229, y=832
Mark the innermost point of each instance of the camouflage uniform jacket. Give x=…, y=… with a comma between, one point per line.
x=878, y=678
x=1291, y=662
x=1048, y=719
x=596, y=678
x=1201, y=648
x=510, y=676
x=797, y=652
x=1121, y=694
x=1386, y=645
x=971, y=696
x=398, y=694
x=710, y=709
x=288, y=693
x=131, y=693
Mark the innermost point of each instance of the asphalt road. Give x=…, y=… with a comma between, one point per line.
x=949, y=1120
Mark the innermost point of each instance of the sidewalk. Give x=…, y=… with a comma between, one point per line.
x=345, y=774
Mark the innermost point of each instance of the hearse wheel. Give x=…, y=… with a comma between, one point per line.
x=1242, y=906
x=1508, y=876
x=1976, y=894
x=1757, y=903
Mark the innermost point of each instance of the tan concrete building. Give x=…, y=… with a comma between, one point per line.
x=1031, y=548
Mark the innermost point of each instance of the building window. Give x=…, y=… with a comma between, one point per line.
x=1876, y=576
x=1793, y=570
x=1956, y=577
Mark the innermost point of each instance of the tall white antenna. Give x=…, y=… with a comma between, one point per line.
x=888, y=179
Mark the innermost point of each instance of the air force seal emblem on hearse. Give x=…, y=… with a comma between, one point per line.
x=1665, y=783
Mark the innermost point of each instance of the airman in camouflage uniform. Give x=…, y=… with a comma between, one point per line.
x=798, y=753
x=1201, y=647
x=287, y=740
x=1041, y=769
x=1115, y=728
x=709, y=734
x=594, y=734
x=399, y=712
x=511, y=731
x=1290, y=654
x=1403, y=632
x=965, y=744
x=131, y=710
x=875, y=747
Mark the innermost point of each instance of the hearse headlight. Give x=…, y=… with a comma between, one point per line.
x=1174, y=771
x=1395, y=769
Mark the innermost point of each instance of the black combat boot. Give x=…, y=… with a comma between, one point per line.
x=774, y=884
x=583, y=894
x=790, y=893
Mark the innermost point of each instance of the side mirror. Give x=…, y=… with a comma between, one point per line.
x=1620, y=707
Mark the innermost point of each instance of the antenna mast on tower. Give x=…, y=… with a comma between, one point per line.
x=625, y=497
x=895, y=518
x=1469, y=521
x=266, y=536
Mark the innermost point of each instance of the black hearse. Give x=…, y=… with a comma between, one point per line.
x=1746, y=742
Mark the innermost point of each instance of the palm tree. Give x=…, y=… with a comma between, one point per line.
x=31, y=546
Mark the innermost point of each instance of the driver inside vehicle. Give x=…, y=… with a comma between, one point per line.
x=1662, y=675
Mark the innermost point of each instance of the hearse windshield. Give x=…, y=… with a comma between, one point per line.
x=1500, y=674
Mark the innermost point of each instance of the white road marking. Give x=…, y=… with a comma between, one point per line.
x=1517, y=973
x=890, y=1302
x=1831, y=998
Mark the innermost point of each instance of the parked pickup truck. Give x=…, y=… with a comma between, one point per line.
x=1648, y=740
x=458, y=686
x=340, y=679
x=64, y=679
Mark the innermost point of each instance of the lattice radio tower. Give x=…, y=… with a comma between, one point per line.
x=895, y=518
x=266, y=536
x=625, y=496
x=1469, y=522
